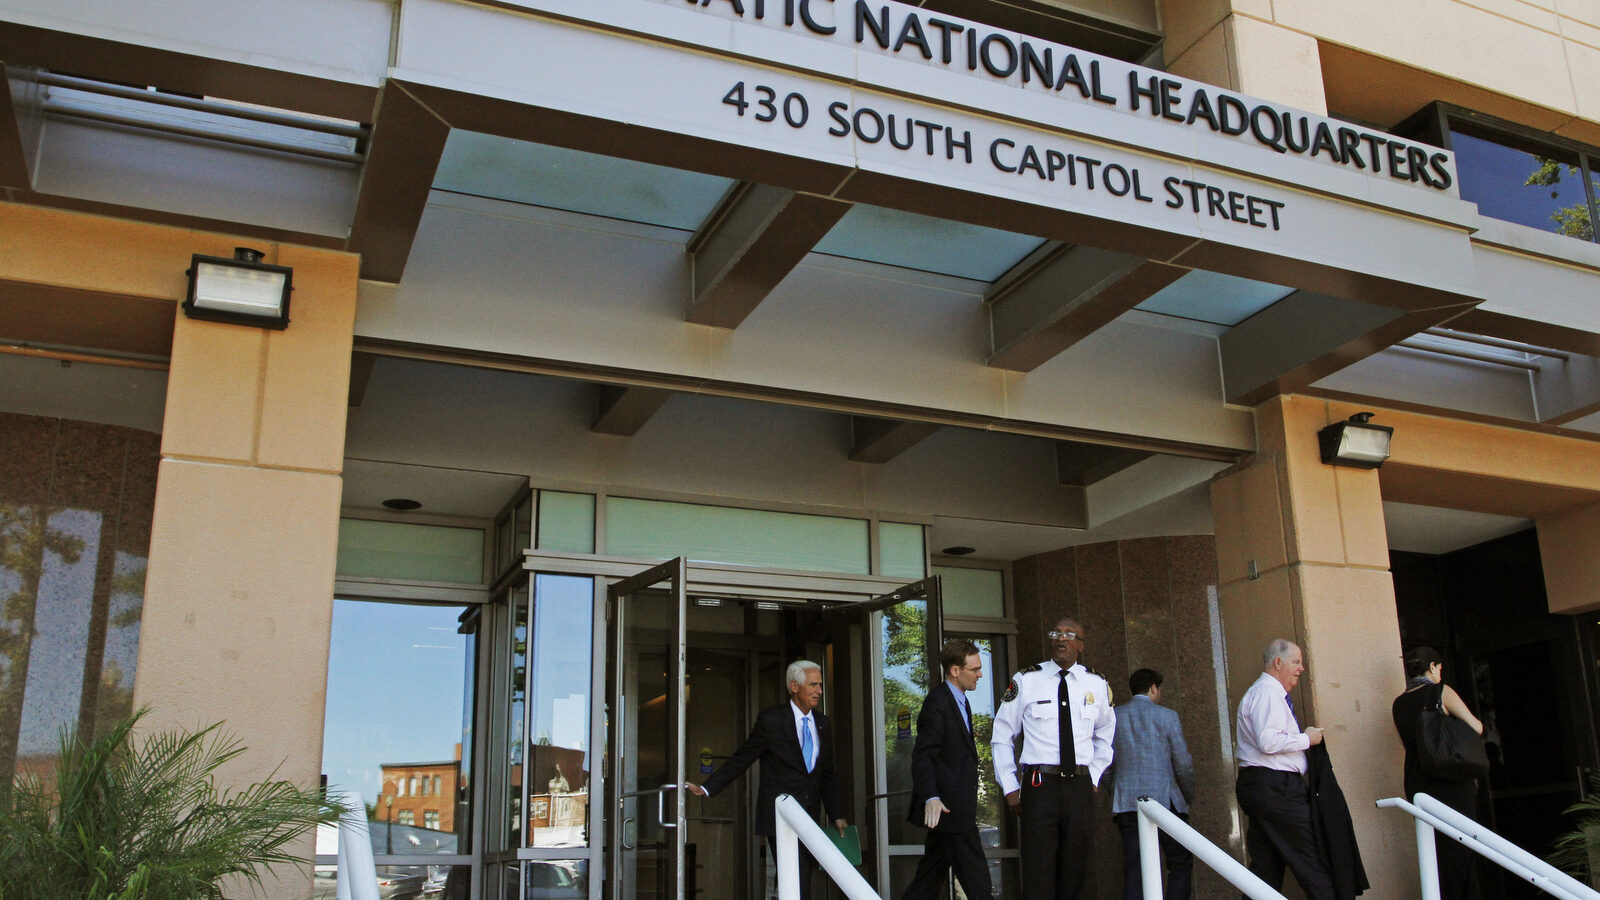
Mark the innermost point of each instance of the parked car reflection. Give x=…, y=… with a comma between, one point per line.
x=548, y=879
x=393, y=884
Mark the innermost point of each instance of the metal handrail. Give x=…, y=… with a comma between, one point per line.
x=794, y=827
x=1153, y=817
x=1432, y=815
x=357, y=877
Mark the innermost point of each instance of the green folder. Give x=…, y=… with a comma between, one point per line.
x=848, y=843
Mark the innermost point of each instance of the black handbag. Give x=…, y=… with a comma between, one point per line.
x=1448, y=747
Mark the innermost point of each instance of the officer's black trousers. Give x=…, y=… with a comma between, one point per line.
x=1057, y=836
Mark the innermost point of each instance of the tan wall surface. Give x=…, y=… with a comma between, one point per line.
x=1533, y=63
x=1569, y=546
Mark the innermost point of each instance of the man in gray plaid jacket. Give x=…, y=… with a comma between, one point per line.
x=1150, y=760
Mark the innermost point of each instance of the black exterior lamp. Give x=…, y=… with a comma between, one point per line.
x=1355, y=442
x=242, y=290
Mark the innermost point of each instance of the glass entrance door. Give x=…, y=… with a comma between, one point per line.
x=902, y=632
x=646, y=734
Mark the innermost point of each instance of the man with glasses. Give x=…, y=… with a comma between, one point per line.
x=1062, y=709
x=944, y=782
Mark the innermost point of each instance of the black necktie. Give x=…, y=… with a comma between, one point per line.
x=1069, y=740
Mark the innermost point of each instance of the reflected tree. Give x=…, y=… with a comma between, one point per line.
x=1572, y=221
x=25, y=539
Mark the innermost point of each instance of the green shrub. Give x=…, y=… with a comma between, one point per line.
x=141, y=818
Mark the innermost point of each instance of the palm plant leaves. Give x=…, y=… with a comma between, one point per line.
x=1578, y=851
x=144, y=819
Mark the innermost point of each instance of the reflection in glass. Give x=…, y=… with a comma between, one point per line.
x=906, y=677
x=75, y=506
x=515, y=732
x=545, y=879
x=398, y=692
x=991, y=802
x=558, y=715
x=399, y=882
x=1542, y=189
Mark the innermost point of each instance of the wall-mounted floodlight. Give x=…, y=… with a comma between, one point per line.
x=1355, y=442
x=242, y=290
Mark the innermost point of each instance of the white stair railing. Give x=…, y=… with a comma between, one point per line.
x=358, y=876
x=1154, y=818
x=796, y=827
x=1432, y=815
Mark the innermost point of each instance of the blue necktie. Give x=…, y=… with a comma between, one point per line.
x=1290, y=700
x=806, y=748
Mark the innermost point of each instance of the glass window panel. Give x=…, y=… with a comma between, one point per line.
x=505, y=539
x=433, y=882
x=539, y=879
x=992, y=818
x=902, y=631
x=558, y=716
x=399, y=689
x=972, y=592
x=1538, y=187
x=900, y=551
x=375, y=549
x=751, y=537
x=517, y=717
x=566, y=522
x=524, y=524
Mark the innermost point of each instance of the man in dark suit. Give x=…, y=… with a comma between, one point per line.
x=794, y=742
x=944, y=782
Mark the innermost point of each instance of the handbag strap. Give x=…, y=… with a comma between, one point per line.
x=1438, y=697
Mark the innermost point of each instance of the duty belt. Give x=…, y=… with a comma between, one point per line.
x=1034, y=769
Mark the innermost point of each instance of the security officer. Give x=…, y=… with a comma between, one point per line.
x=1056, y=704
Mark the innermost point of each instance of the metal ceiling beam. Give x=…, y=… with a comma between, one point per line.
x=1307, y=336
x=407, y=142
x=624, y=410
x=876, y=440
x=1080, y=465
x=360, y=375
x=752, y=241
x=1061, y=294
x=14, y=169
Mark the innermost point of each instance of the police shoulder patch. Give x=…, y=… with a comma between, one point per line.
x=1033, y=668
x=1011, y=692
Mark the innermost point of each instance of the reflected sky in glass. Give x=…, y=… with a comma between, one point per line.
x=1496, y=177
x=396, y=690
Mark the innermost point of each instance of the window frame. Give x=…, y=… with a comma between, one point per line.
x=1437, y=123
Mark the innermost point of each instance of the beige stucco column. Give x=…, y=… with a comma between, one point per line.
x=1302, y=554
x=239, y=593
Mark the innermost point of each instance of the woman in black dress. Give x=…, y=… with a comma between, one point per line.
x=1424, y=689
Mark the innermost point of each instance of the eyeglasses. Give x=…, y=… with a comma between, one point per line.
x=1064, y=636
x=972, y=668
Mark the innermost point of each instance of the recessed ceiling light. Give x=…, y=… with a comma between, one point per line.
x=404, y=504
x=958, y=551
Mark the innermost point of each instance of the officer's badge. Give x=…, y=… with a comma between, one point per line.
x=1088, y=698
x=1011, y=692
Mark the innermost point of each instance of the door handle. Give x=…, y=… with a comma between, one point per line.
x=628, y=835
x=661, y=807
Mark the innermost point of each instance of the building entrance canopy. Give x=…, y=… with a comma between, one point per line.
x=888, y=104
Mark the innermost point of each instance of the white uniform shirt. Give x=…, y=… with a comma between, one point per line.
x=1035, y=712
x=1268, y=735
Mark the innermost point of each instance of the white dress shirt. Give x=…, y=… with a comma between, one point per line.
x=1035, y=713
x=1268, y=735
x=802, y=722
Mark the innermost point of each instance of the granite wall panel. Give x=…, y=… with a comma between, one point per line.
x=1144, y=603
